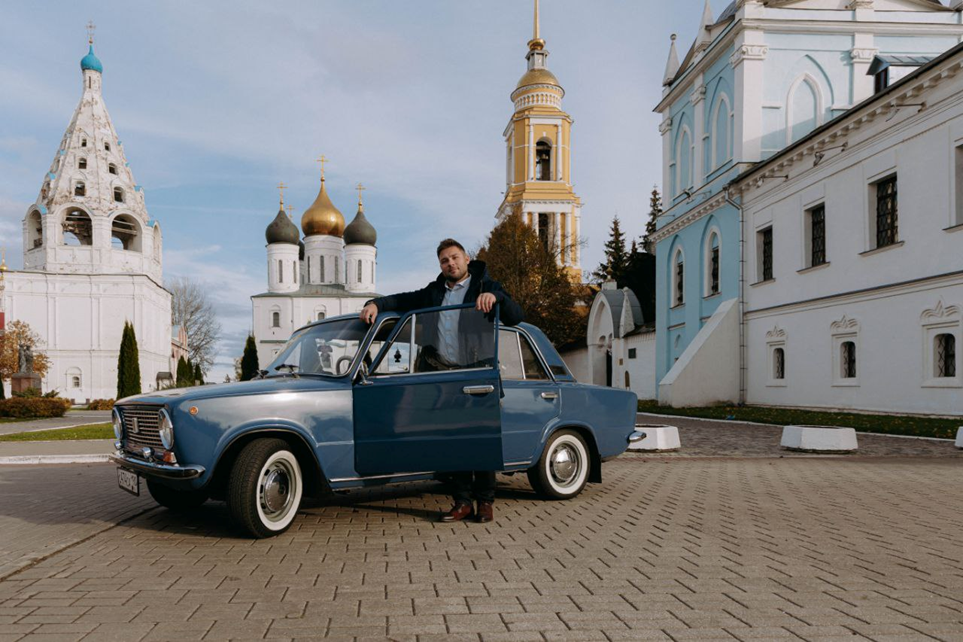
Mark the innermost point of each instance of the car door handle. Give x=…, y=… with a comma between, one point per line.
x=478, y=390
x=550, y=395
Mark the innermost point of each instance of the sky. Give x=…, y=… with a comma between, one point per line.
x=218, y=101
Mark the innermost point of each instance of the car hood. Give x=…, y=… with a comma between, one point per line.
x=239, y=389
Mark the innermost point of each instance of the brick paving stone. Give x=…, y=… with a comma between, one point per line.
x=733, y=547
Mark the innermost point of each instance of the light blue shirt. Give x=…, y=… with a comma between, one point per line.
x=448, y=321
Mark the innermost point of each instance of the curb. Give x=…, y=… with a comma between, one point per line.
x=756, y=423
x=33, y=460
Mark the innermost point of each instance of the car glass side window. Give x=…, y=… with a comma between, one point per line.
x=453, y=339
x=509, y=356
x=397, y=358
x=533, y=367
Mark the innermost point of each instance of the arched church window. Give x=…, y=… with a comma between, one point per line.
x=275, y=319
x=82, y=163
x=80, y=189
x=684, y=162
x=543, y=161
x=320, y=269
x=294, y=271
x=779, y=364
x=118, y=195
x=280, y=271
x=106, y=146
x=678, y=282
x=77, y=228
x=125, y=234
x=945, y=353
x=34, y=230
x=543, y=230
x=722, y=133
x=359, y=270
x=712, y=264
x=112, y=169
x=337, y=269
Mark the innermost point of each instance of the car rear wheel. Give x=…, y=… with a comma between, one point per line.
x=563, y=468
x=175, y=500
x=265, y=488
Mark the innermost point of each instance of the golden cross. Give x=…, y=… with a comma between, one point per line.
x=289, y=208
x=360, y=189
x=323, y=159
x=90, y=32
x=281, y=187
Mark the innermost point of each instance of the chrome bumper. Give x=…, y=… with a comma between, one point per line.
x=636, y=436
x=152, y=469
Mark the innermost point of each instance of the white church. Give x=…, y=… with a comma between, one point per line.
x=329, y=273
x=811, y=251
x=91, y=260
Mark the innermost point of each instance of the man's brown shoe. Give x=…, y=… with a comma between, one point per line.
x=457, y=513
x=486, y=513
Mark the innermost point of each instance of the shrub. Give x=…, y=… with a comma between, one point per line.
x=29, y=393
x=33, y=407
x=101, y=404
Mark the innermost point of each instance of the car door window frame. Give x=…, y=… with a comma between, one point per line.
x=412, y=318
x=521, y=335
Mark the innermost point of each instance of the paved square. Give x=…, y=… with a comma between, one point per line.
x=670, y=547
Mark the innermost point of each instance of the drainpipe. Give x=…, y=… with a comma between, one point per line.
x=742, y=297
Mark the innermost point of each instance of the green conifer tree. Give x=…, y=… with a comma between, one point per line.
x=616, y=257
x=655, y=210
x=128, y=364
x=185, y=373
x=198, y=375
x=249, y=362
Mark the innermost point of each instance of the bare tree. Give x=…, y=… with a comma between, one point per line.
x=192, y=308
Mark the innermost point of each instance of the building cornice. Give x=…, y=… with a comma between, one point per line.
x=710, y=205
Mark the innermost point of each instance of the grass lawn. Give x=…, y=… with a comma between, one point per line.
x=884, y=424
x=93, y=431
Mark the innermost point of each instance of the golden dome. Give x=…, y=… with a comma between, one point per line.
x=322, y=217
x=538, y=76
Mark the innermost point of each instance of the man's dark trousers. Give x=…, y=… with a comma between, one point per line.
x=478, y=485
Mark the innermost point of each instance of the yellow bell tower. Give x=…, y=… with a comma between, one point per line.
x=538, y=143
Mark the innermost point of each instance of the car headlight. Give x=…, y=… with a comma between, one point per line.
x=118, y=424
x=166, y=430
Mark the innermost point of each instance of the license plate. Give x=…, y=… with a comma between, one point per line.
x=128, y=481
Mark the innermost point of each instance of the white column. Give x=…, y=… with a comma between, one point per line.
x=748, y=59
x=698, y=100
x=862, y=54
x=530, y=170
x=558, y=152
x=557, y=222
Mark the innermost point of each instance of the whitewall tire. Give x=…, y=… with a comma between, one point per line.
x=563, y=469
x=265, y=488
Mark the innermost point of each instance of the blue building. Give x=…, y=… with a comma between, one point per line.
x=756, y=80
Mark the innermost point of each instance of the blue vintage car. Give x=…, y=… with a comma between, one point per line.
x=347, y=405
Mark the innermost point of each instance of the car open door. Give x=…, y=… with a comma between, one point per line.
x=430, y=402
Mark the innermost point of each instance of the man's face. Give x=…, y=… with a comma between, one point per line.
x=454, y=264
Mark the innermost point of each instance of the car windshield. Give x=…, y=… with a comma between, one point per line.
x=326, y=349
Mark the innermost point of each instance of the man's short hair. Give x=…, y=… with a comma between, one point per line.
x=447, y=243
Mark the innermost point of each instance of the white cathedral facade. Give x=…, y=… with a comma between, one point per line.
x=330, y=272
x=91, y=260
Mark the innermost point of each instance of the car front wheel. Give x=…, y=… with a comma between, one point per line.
x=265, y=488
x=563, y=468
x=175, y=500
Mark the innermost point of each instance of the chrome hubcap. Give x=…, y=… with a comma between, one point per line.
x=564, y=464
x=275, y=490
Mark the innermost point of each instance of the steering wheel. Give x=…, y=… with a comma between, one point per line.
x=343, y=360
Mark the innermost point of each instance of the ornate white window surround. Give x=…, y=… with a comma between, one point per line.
x=940, y=319
x=845, y=330
x=776, y=358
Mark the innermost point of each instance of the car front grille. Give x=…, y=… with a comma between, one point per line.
x=141, y=424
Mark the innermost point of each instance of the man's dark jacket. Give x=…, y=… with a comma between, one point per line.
x=432, y=296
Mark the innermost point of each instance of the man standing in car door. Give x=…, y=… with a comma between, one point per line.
x=461, y=281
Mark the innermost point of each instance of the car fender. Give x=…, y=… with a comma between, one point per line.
x=304, y=443
x=586, y=431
